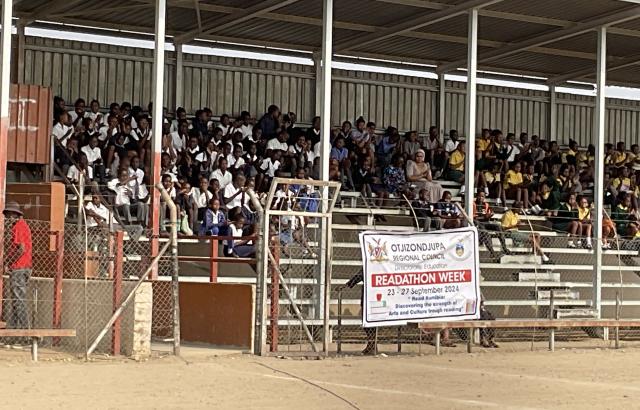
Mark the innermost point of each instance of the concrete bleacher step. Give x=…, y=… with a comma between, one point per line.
x=577, y=313
x=522, y=259
x=558, y=294
x=539, y=277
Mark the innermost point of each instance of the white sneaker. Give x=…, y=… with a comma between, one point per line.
x=545, y=258
x=463, y=189
x=499, y=202
x=578, y=243
x=486, y=191
x=571, y=245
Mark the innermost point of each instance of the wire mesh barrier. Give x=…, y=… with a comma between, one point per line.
x=530, y=272
x=80, y=277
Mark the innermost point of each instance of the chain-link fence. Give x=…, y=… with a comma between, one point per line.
x=80, y=276
x=536, y=271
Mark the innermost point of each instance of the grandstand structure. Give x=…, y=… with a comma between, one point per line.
x=550, y=43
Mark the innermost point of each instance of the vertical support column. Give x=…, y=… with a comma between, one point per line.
x=325, y=148
x=470, y=124
x=179, y=91
x=20, y=29
x=158, y=97
x=598, y=191
x=263, y=279
x=442, y=101
x=213, y=261
x=275, y=297
x=57, y=283
x=117, y=290
x=553, y=113
x=317, y=63
x=5, y=84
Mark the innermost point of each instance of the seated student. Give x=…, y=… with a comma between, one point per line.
x=214, y=222
x=188, y=217
x=423, y=209
x=482, y=213
x=202, y=196
x=168, y=184
x=73, y=174
x=456, y=163
x=236, y=161
x=448, y=212
x=619, y=156
x=624, y=184
x=514, y=186
x=292, y=231
x=410, y=146
x=621, y=216
x=510, y=221
x=548, y=200
x=98, y=215
x=61, y=131
x=565, y=218
x=222, y=175
x=494, y=185
x=341, y=154
x=241, y=248
x=394, y=177
x=235, y=194
x=298, y=151
x=125, y=197
x=267, y=170
x=584, y=224
x=367, y=183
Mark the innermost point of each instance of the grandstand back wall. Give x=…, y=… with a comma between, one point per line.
x=228, y=85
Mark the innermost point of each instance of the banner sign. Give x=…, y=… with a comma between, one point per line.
x=416, y=277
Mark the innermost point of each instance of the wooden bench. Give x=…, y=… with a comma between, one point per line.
x=36, y=335
x=550, y=324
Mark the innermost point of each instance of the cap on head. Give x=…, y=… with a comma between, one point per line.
x=12, y=206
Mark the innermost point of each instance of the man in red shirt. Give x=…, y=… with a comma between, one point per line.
x=17, y=264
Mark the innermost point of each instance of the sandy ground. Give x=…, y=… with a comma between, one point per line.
x=204, y=378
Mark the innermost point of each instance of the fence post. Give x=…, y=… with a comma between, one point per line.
x=117, y=290
x=213, y=262
x=275, y=296
x=57, y=283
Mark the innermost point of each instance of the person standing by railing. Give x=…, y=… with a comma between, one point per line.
x=17, y=264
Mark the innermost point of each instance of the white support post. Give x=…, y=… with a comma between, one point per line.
x=598, y=191
x=5, y=86
x=157, y=122
x=317, y=62
x=442, y=100
x=325, y=147
x=179, y=91
x=470, y=124
x=553, y=113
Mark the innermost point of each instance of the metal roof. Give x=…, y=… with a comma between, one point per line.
x=554, y=39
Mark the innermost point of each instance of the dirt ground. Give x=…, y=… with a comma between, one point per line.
x=203, y=378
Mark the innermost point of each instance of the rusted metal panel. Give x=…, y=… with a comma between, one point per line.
x=30, y=120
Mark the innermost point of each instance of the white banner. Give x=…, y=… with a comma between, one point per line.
x=415, y=277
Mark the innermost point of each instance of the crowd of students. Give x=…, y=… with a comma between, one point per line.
x=208, y=166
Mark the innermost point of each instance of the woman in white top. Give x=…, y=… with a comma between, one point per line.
x=419, y=173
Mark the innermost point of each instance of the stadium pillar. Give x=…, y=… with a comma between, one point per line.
x=470, y=115
x=598, y=191
x=553, y=113
x=317, y=63
x=179, y=91
x=324, y=253
x=158, y=119
x=5, y=85
x=441, y=104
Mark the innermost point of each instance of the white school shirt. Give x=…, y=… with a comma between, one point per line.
x=224, y=180
x=141, y=189
x=274, y=144
x=123, y=192
x=96, y=117
x=202, y=198
x=104, y=131
x=60, y=130
x=225, y=130
x=247, y=130
x=296, y=149
x=235, y=163
x=73, y=115
x=178, y=141
x=73, y=174
x=202, y=159
x=282, y=196
x=269, y=167
x=241, y=200
x=515, y=151
x=93, y=154
x=101, y=210
x=138, y=134
x=450, y=146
